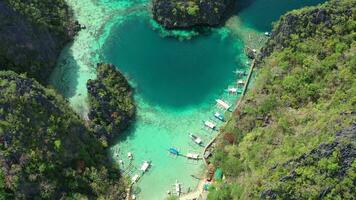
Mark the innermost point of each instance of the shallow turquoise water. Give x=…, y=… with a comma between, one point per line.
x=176, y=85
x=176, y=82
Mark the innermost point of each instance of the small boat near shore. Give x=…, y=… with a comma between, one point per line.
x=210, y=125
x=178, y=188
x=222, y=104
x=193, y=156
x=145, y=166
x=174, y=151
x=233, y=90
x=219, y=116
x=135, y=178
x=129, y=155
x=196, y=139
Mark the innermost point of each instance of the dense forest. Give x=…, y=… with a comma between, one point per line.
x=293, y=137
x=111, y=103
x=46, y=152
x=33, y=33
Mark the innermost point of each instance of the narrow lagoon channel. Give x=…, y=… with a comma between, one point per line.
x=176, y=81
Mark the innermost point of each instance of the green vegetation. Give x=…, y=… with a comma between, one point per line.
x=46, y=151
x=33, y=33
x=191, y=7
x=175, y=14
x=54, y=15
x=303, y=94
x=111, y=102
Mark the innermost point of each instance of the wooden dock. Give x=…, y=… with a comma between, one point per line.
x=252, y=66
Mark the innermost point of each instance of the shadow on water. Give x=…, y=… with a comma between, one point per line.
x=260, y=14
x=65, y=76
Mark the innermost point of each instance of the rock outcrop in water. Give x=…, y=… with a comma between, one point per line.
x=33, y=34
x=111, y=102
x=46, y=151
x=190, y=13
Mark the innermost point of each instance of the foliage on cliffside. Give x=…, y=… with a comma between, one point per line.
x=111, y=102
x=33, y=33
x=190, y=13
x=303, y=95
x=54, y=15
x=46, y=152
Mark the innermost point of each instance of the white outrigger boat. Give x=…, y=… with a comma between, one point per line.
x=178, y=188
x=222, y=104
x=129, y=155
x=219, y=116
x=233, y=90
x=193, y=156
x=135, y=178
x=241, y=82
x=210, y=125
x=145, y=166
x=196, y=139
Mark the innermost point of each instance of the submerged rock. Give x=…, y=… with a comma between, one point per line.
x=111, y=102
x=190, y=13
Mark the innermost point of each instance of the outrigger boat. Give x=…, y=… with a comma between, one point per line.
x=233, y=90
x=210, y=125
x=219, y=116
x=145, y=166
x=240, y=73
x=129, y=155
x=196, y=139
x=174, y=151
x=135, y=178
x=222, y=104
x=241, y=82
x=178, y=188
x=193, y=156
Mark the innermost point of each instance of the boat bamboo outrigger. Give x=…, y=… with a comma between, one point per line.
x=219, y=116
x=240, y=73
x=222, y=104
x=135, y=178
x=193, y=156
x=129, y=155
x=174, y=151
x=196, y=139
x=178, y=188
x=145, y=166
x=241, y=82
x=210, y=125
x=233, y=90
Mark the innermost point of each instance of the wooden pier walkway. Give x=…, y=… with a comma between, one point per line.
x=252, y=66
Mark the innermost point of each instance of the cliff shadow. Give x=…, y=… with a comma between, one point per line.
x=64, y=77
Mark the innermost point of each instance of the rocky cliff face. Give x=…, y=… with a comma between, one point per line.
x=190, y=13
x=314, y=22
x=330, y=161
x=29, y=47
x=111, y=102
x=46, y=152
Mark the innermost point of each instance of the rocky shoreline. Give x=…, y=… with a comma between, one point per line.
x=185, y=14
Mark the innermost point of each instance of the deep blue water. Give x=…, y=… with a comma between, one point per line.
x=169, y=72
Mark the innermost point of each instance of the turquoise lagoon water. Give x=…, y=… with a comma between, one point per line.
x=176, y=81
